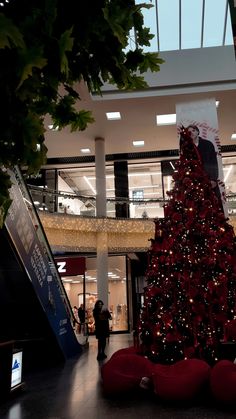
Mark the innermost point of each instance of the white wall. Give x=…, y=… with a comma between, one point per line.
x=186, y=71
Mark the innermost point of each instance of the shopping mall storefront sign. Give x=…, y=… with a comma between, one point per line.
x=70, y=266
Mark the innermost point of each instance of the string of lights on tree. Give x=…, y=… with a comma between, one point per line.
x=189, y=300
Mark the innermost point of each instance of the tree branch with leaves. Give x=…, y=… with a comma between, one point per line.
x=47, y=47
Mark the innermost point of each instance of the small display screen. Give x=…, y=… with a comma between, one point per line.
x=16, y=373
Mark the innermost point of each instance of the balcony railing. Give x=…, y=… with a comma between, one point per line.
x=46, y=199
x=49, y=200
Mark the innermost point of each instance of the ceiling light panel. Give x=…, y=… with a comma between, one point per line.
x=85, y=150
x=112, y=116
x=138, y=143
x=168, y=119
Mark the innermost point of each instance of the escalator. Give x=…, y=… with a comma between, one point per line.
x=34, y=307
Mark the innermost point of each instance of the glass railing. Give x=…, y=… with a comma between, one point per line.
x=49, y=200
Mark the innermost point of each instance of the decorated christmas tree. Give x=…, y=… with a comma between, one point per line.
x=190, y=298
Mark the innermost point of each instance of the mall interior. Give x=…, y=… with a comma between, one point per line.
x=89, y=217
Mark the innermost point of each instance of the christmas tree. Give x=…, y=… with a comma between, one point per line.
x=190, y=297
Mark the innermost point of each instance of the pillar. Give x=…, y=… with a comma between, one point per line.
x=100, y=167
x=102, y=244
x=121, y=188
x=102, y=267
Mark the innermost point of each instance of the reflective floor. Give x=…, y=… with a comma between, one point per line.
x=74, y=391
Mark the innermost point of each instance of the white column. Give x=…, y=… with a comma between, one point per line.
x=102, y=245
x=100, y=164
x=102, y=267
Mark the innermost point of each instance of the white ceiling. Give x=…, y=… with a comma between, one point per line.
x=186, y=76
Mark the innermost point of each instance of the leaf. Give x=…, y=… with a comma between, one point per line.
x=144, y=36
x=10, y=34
x=71, y=91
x=81, y=120
x=136, y=82
x=120, y=21
x=151, y=62
x=4, y=207
x=30, y=59
x=50, y=14
x=65, y=44
x=5, y=201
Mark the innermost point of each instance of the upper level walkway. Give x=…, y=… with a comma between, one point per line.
x=74, y=233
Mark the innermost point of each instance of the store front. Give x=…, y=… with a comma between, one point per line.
x=79, y=276
x=73, y=190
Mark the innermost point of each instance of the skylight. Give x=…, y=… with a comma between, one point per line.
x=185, y=24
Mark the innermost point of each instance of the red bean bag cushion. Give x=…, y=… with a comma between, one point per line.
x=230, y=330
x=223, y=381
x=124, y=351
x=181, y=381
x=124, y=373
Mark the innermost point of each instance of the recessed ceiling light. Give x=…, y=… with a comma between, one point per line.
x=169, y=119
x=233, y=136
x=138, y=143
x=113, y=115
x=85, y=150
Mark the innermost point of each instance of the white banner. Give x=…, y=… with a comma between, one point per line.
x=203, y=115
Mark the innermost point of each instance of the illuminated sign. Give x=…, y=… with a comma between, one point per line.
x=16, y=372
x=70, y=266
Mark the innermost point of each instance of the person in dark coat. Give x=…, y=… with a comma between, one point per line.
x=82, y=317
x=208, y=156
x=101, y=317
x=207, y=152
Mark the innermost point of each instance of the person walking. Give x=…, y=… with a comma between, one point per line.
x=101, y=317
x=82, y=318
x=75, y=318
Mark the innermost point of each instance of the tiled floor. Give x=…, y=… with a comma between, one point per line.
x=74, y=391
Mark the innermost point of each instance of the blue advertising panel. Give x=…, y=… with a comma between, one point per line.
x=28, y=238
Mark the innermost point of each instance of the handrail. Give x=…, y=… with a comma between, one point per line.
x=42, y=190
x=85, y=198
x=42, y=237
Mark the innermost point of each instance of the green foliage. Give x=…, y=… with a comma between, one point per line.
x=46, y=48
x=9, y=34
x=5, y=200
